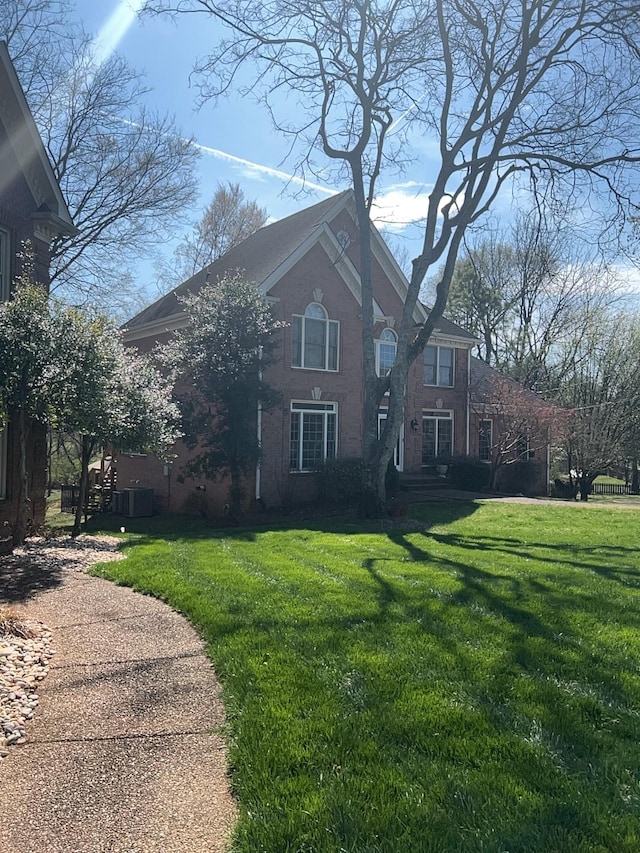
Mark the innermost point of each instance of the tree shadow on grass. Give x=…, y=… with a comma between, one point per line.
x=530, y=699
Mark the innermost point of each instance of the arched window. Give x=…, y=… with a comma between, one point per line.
x=386, y=346
x=314, y=339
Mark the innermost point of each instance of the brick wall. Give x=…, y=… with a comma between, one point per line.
x=314, y=278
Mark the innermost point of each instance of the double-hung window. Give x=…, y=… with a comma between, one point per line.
x=386, y=346
x=314, y=339
x=485, y=440
x=523, y=449
x=4, y=295
x=438, y=366
x=313, y=434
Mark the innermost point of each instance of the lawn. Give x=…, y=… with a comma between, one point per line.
x=473, y=685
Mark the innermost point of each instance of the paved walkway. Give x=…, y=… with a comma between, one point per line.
x=122, y=755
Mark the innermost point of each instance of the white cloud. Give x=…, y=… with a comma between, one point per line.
x=628, y=277
x=400, y=206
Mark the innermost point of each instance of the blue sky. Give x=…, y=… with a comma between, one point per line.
x=235, y=137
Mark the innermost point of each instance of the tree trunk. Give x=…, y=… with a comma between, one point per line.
x=20, y=528
x=635, y=480
x=584, y=484
x=87, y=450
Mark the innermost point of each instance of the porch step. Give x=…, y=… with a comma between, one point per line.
x=423, y=482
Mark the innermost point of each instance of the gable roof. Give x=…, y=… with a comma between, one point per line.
x=258, y=257
x=449, y=330
x=263, y=258
x=51, y=216
x=481, y=379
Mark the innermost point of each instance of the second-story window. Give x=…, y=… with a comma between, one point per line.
x=314, y=339
x=386, y=346
x=438, y=366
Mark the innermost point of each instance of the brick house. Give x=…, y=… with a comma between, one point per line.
x=307, y=268
x=31, y=209
x=512, y=426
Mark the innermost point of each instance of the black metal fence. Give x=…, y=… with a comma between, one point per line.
x=69, y=497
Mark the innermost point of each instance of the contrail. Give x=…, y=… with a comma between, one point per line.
x=266, y=170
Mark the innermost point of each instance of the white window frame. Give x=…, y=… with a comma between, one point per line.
x=330, y=325
x=439, y=415
x=398, y=450
x=489, y=448
x=523, y=447
x=300, y=409
x=387, y=338
x=438, y=350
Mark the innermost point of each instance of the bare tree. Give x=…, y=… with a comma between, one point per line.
x=525, y=291
x=228, y=220
x=546, y=88
x=600, y=387
x=127, y=175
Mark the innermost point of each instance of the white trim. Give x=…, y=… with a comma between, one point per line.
x=490, y=448
x=327, y=335
x=378, y=342
x=398, y=450
x=468, y=398
x=156, y=327
x=439, y=415
x=312, y=407
x=438, y=384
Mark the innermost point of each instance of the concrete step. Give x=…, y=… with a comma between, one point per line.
x=423, y=482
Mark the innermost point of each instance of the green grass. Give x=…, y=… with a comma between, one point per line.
x=472, y=686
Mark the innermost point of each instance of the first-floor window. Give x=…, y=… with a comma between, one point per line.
x=3, y=464
x=313, y=434
x=485, y=440
x=437, y=435
x=522, y=447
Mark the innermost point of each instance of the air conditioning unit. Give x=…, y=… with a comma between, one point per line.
x=138, y=502
x=118, y=503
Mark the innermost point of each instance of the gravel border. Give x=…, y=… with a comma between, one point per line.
x=26, y=645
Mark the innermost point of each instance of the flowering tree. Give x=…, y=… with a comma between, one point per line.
x=26, y=354
x=60, y=366
x=107, y=394
x=514, y=424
